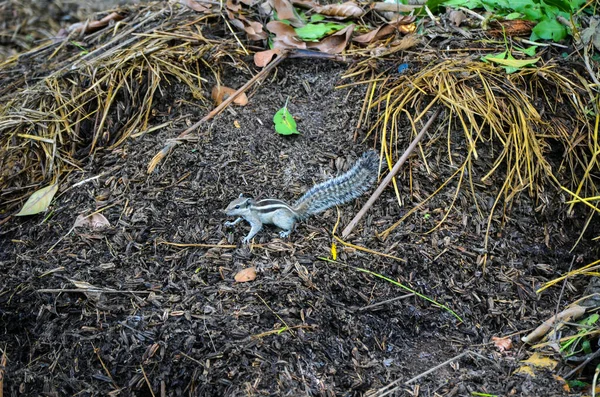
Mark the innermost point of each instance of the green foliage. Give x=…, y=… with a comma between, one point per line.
x=316, y=31
x=284, y=122
x=544, y=12
x=509, y=62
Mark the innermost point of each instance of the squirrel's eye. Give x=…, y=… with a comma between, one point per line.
x=236, y=207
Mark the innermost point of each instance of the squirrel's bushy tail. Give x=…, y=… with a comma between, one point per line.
x=341, y=189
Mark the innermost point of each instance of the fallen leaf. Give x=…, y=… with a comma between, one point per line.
x=285, y=36
x=245, y=275
x=345, y=10
x=393, y=7
x=92, y=26
x=232, y=5
x=456, y=17
x=236, y=124
x=195, y=6
x=284, y=122
x=335, y=43
x=538, y=361
x=39, y=201
x=285, y=11
x=503, y=344
x=253, y=29
x=263, y=58
x=94, y=221
x=403, y=25
x=220, y=93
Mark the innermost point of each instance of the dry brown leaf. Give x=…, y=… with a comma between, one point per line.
x=220, y=93
x=285, y=36
x=456, y=17
x=232, y=5
x=92, y=26
x=345, y=10
x=403, y=25
x=263, y=58
x=305, y=3
x=517, y=27
x=503, y=344
x=94, y=221
x=393, y=7
x=285, y=10
x=335, y=43
x=245, y=275
x=195, y=5
x=253, y=29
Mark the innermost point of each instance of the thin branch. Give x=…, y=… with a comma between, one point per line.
x=389, y=177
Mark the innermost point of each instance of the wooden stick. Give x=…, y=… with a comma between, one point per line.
x=389, y=176
x=170, y=145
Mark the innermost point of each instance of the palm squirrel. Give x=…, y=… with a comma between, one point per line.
x=336, y=191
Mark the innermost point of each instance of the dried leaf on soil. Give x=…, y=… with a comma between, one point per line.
x=245, y=275
x=285, y=36
x=536, y=360
x=334, y=44
x=345, y=10
x=253, y=29
x=285, y=11
x=403, y=25
x=195, y=5
x=503, y=344
x=456, y=17
x=39, y=201
x=220, y=93
x=262, y=58
x=94, y=221
x=92, y=26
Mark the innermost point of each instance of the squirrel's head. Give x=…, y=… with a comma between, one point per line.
x=239, y=206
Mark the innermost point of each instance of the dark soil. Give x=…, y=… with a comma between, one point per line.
x=181, y=325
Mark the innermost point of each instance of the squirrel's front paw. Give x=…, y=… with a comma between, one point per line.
x=228, y=224
x=245, y=241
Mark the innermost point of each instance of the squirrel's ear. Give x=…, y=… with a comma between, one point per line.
x=241, y=195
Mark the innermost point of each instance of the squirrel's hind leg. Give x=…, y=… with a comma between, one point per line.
x=284, y=220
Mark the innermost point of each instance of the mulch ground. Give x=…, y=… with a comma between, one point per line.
x=177, y=323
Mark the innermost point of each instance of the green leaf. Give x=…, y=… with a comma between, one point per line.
x=317, y=17
x=284, y=122
x=470, y=4
x=316, y=31
x=550, y=29
x=510, y=64
x=527, y=51
x=562, y=5
x=513, y=15
x=39, y=201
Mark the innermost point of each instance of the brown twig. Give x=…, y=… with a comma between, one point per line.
x=389, y=177
x=571, y=313
x=172, y=143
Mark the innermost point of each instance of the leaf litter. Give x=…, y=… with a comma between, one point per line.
x=161, y=75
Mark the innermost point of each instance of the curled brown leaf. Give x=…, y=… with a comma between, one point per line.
x=220, y=93
x=92, y=26
x=194, y=5
x=263, y=58
x=285, y=36
x=403, y=25
x=345, y=10
x=335, y=43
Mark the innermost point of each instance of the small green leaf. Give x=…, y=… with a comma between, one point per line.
x=550, y=29
x=284, y=122
x=513, y=15
x=527, y=51
x=316, y=31
x=317, y=17
x=39, y=201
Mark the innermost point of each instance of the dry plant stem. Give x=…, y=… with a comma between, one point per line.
x=170, y=145
x=389, y=177
x=571, y=313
